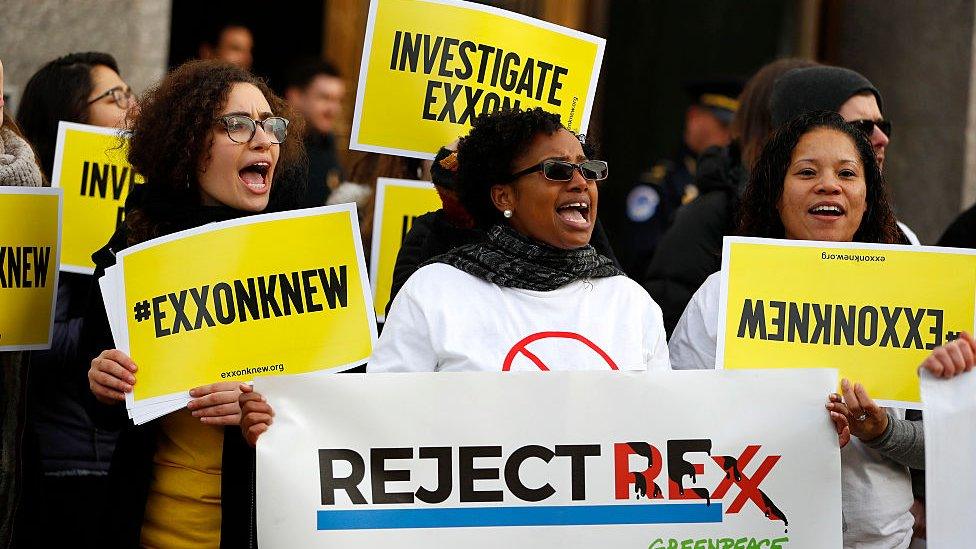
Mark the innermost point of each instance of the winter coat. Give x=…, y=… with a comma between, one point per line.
x=18, y=168
x=131, y=470
x=692, y=248
x=65, y=439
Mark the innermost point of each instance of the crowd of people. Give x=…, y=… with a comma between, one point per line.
x=796, y=152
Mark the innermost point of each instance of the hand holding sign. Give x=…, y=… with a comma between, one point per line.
x=953, y=358
x=867, y=420
x=216, y=403
x=256, y=414
x=111, y=376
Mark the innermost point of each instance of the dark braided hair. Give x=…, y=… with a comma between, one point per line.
x=759, y=215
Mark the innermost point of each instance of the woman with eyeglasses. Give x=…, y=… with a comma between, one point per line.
x=67, y=456
x=211, y=141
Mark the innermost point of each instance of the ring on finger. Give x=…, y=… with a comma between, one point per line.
x=861, y=417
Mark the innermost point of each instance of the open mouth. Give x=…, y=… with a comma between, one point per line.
x=574, y=213
x=826, y=210
x=255, y=176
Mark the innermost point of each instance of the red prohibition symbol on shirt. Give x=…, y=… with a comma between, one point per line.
x=522, y=348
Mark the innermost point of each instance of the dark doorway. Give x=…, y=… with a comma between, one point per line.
x=283, y=33
x=653, y=47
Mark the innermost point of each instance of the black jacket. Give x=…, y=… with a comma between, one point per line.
x=691, y=249
x=61, y=434
x=323, y=163
x=433, y=234
x=132, y=465
x=962, y=232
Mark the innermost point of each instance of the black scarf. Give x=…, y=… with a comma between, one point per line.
x=169, y=213
x=512, y=260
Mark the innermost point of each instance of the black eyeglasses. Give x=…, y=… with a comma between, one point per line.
x=867, y=126
x=561, y=170
x=122, y=96
x=241, y=128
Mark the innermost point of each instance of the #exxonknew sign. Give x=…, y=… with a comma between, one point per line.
x=714, y=459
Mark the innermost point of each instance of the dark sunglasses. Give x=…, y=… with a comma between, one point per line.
x=561, y=170
x=867, y=126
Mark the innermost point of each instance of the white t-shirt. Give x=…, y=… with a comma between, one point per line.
x=444, y=319
x=876, y=492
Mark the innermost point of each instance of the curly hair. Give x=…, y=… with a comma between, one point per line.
x=486, y=155
x=759, y=215
x=58, y=91
x=172, y=134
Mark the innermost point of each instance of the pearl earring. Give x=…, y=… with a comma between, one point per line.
x=507, y=214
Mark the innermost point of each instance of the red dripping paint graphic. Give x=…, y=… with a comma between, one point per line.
x=521, y=348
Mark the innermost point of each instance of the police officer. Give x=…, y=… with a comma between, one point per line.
x=658, y=193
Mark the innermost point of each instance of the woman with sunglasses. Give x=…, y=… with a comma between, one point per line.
x=67, y=456
x=534, y=295
x=210, y=140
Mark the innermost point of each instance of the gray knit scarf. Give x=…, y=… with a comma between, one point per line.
x=18, y=168
x=512, y=260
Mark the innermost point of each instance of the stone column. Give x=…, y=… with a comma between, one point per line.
x=920, y=55
x=135, y=32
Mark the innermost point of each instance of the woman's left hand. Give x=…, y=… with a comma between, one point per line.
x=216, y=404
x=867, y=420
x=841, y=425
x=953, y=358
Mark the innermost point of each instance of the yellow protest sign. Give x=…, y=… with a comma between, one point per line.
x=272, y=294
x=30, y=244
x=873, y=311
x=90, y=165
x=398, y=203
x=429, y=67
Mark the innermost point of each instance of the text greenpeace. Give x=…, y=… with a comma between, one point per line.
x=564, y=459
x=486, y=65
x=836, y=324
x=253, y=298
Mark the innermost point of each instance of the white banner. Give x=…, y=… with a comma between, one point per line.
x=950, y=447
x=710, y=459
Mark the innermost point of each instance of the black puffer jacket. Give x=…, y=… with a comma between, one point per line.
x=692, y=248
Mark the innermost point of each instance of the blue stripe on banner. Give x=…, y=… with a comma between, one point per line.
x=564, y=515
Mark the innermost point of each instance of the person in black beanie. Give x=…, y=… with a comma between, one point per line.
x=846, y=92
